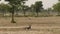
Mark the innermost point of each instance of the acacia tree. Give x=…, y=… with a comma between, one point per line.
x=49, y=10
x=15, y=5
x=25, y=8
x=33, y=9
x=56, y=7
x=4, y=8
x=58, y=0
x=37, y=6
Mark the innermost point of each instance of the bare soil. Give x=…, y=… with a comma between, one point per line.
x=40, y=25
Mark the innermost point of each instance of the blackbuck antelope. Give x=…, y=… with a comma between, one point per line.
x=29, y=27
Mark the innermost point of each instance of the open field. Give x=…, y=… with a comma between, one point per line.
x=6, y=21
x=40, y=25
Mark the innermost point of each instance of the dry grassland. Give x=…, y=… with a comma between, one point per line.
x=40, y=25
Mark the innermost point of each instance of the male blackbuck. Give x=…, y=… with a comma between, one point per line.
x=29, y=27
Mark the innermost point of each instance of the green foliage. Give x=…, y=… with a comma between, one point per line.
x=16, y=5
x=16, y=2
x=57, y=7
x=4, y=7
x=37, y=6
x=24, y=9
x=58, y=0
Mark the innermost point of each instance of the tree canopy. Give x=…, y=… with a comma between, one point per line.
x=4, y=7
x=37, y=6
x=16, y=4
x=57, y=7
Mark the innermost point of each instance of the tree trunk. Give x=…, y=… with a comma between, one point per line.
x=58, y=13
x=24, y=13
x=37, y=14
x=3, y=14
x=12, y=21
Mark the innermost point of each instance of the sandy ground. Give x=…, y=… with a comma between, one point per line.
x=29, y=20
x=40, y=25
